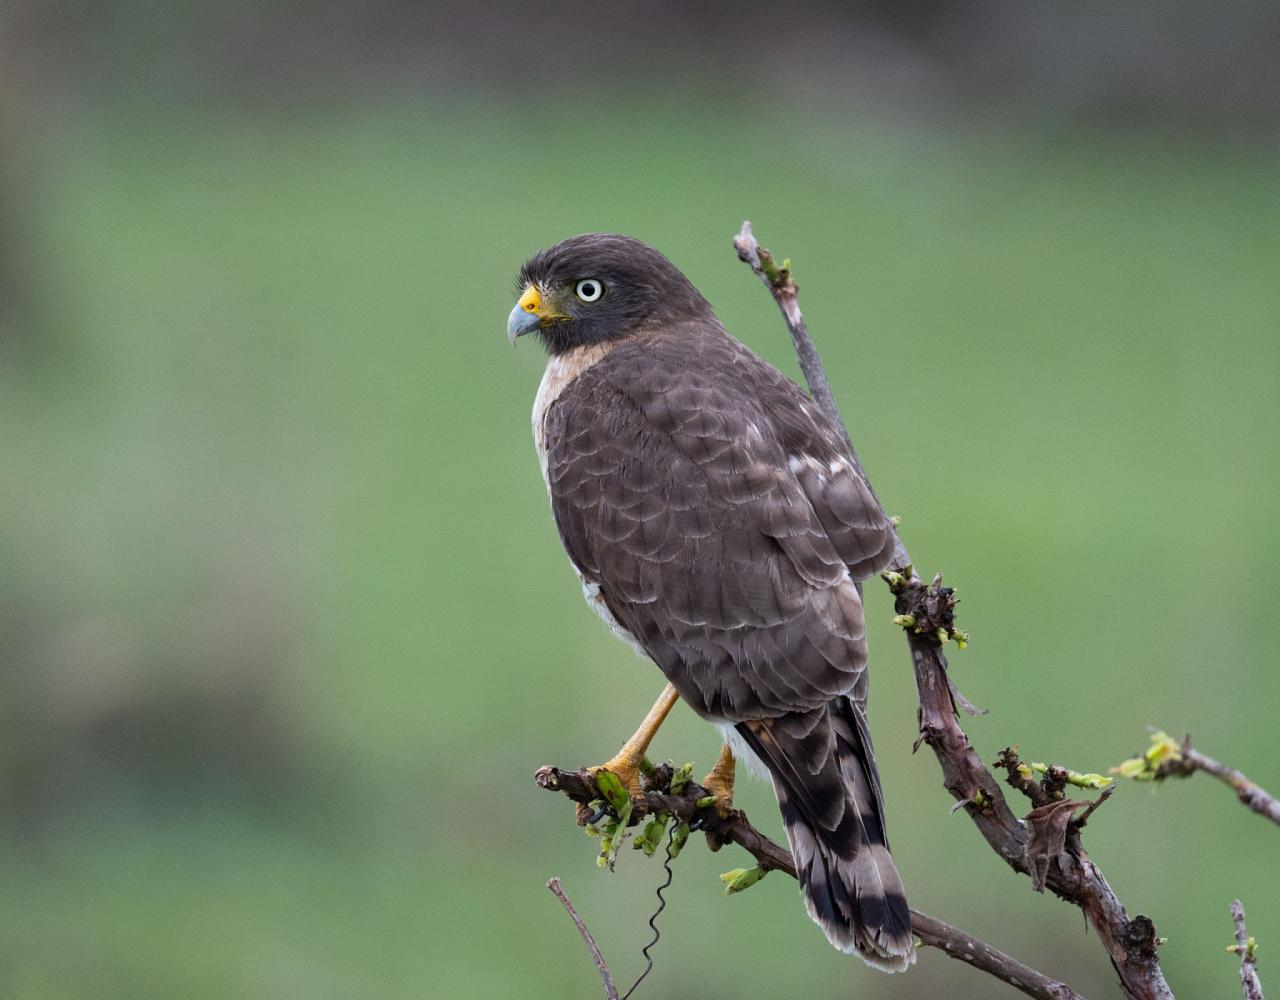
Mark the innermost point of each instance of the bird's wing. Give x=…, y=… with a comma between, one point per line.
x=818, y=455
x=724, y=554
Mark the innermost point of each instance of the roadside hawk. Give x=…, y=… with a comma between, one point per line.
x=718, y=523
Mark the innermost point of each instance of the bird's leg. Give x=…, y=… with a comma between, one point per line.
x=719, y=781
x=625, y=764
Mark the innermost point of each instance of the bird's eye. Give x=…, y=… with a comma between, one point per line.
x=589, y=289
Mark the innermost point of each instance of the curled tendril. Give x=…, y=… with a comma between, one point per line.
x=662, y=905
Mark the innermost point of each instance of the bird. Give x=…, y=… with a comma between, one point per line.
x=719, y=523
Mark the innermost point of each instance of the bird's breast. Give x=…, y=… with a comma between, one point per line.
x=560, y=373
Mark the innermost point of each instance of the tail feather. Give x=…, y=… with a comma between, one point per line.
x=825, y=778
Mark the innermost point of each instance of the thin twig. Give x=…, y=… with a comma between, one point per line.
x=735, y=828
x=959, y=945
x=1246, y=947
x=610, y=990
x=1166, y=758
x=1256, y=798
x=1130, y=944
x=777, y=278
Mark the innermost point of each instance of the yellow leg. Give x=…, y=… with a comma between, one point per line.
x=625, y=764
x=719, y=781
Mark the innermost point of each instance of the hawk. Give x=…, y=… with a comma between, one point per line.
x=718, y=523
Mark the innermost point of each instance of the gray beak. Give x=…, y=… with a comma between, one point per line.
x=521, y=322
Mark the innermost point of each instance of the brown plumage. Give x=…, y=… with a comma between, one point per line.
x=717, y=520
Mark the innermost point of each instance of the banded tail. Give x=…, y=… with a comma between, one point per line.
x=824, y=775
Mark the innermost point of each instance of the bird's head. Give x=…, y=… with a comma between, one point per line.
x=598, y=287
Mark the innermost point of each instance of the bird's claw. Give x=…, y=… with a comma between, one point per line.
x=719, y=782
x=721, y=794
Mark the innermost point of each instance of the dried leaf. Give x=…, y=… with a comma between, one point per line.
x=1048, y=828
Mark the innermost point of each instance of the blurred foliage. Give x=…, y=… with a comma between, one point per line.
x=286, y=627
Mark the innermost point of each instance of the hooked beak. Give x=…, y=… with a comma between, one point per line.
x=530, y=313
x=520, y=322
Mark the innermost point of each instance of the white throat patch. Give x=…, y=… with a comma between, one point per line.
x=561, y=370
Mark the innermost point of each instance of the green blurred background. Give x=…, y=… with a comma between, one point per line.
x=285, y=627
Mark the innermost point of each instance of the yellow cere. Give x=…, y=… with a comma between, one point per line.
x=531, y=300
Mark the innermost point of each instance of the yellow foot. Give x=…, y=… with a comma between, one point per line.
x=625, y=765
x=626, y=769
x=719, y=782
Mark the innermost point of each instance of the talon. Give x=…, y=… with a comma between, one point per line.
x=719, y=782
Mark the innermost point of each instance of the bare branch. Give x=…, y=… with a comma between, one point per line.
x=1131, y=944
x=777, y=278
x=1246, y=947
x=1258, y=799
x=610, y=990
x=959, y=945
x=735, y=828
x=1165, y=758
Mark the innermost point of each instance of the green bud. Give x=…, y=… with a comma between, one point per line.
x=906, y=621
x=1094, y=781
x=896, y=581
x=624, y=816
x=1162, y=748
x=1077, y=778
x=741, y=879
x=650, y=836
x=1134, y=768
x=607, y=825
x=682, y=776
x=678, y=839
